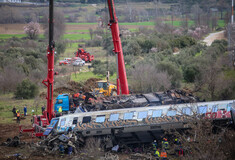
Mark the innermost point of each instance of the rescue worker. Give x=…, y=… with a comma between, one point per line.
x=177, y=146
x=18, y=116
x=165, y=144
x=157, y=154
x=25, y=110
x=14, y=111
x=61, y=149
x=177, y=142
x=60, y=110
x=164, y=155
x=154, y=145
x=43, y=109
x=32, y=111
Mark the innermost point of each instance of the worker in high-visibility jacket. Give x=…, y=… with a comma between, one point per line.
x=165, y=144
x=155, y=145
x=164, y=155
x=60, y=110
x=157, y=154
x=18, y=116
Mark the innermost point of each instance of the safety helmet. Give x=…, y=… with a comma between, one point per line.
x=176, y=139
x=155, y=140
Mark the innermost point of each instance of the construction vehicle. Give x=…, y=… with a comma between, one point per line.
x=85, y=56
x=105, y=89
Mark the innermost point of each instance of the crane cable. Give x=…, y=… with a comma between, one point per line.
x=106, y=36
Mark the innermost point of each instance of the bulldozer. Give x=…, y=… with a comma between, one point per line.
x=105, y=88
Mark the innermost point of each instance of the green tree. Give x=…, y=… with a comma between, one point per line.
x=26, y=89
x=190, y=73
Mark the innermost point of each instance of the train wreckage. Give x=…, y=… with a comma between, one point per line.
x=139, y=124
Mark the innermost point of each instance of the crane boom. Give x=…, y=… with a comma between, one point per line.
x=121, y=74
x=50, y=65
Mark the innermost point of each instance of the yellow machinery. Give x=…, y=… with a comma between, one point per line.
x=105, y=89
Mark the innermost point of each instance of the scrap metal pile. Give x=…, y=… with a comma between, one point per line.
x=142, y=100
x=55, y=143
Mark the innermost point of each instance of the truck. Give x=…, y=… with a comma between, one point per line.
x=87, y=57
x=70, y=103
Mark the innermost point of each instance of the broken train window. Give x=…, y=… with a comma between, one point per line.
x=171, y=113
x=142, y=114
x=62, y=122
x=100, y=119
x=128, y=115
x=202, y=109
x=75, y=120
x=113, y=117
x=157, y=113
x=86, y=119
x=186, y=111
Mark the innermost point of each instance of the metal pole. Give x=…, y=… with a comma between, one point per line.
x=232, y=13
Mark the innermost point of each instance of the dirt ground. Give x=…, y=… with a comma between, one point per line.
x=27, y=148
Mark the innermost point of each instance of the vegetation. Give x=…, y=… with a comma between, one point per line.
x=26, y=89
x=159, y=42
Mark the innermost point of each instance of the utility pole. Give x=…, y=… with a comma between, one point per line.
x=232, y=13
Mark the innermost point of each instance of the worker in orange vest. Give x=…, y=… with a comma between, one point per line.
x=18, y=116
x=164, y=155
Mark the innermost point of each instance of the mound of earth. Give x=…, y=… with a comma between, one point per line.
x=75, y=87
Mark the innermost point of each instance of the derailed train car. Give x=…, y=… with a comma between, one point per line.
x=142, y=124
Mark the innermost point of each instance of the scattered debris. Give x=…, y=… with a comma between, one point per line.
x=140, y=100
x=12, y=142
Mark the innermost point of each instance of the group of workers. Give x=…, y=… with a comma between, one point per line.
x=160, y=151
x=16, y=113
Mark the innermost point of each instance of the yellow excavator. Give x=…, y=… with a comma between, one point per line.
x=105, y=88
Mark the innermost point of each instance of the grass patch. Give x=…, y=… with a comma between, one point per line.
x=139, y=23
x=7, y=102
x=83, y=76
x=81, y=23
x=221, y=23
x=230, y=74
x=78, y=31
x=7, y=36
x=178, y=23
x=70, y=49
x=133, y=29
x=77, y=36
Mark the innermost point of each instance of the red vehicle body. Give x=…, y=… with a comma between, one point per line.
x=63, y=62
x=87, y=57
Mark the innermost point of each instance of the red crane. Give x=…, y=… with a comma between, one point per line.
x=50, y=65
x=121, y=70
x=40, y=122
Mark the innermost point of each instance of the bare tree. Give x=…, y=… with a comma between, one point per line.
x=59, y=24
x=197, y=11
x=214, y=21
x=146, y=78
x=9, y=78
x=32, y=30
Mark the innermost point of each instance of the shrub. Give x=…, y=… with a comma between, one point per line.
x=26, y=89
